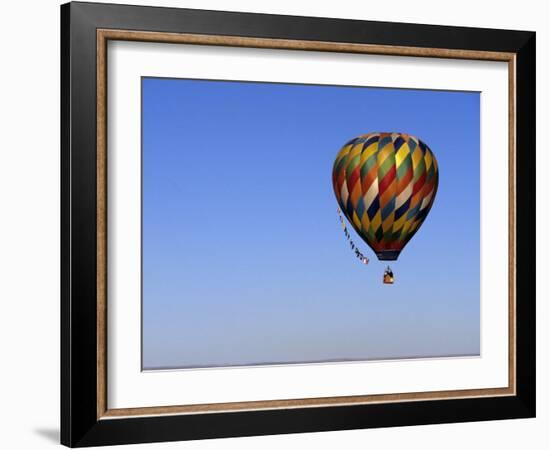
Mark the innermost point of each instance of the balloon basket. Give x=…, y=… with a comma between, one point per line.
x=388, y=276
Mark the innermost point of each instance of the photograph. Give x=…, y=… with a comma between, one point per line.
x=295, y=223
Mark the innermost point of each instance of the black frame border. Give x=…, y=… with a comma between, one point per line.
x=79, y=423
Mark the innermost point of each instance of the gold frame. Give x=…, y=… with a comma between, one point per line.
x=103, y=36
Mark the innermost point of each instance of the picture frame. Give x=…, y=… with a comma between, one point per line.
x=86, y=30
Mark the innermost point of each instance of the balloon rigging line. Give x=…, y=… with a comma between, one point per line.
x=358, y=254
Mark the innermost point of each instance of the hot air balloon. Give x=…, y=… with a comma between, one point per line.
x=385, y=184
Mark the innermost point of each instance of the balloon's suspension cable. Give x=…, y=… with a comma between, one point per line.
x=358, y=254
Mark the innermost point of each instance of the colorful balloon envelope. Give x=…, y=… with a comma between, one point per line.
x=385, y=184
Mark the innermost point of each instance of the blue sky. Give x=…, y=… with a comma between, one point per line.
x=244, y=259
